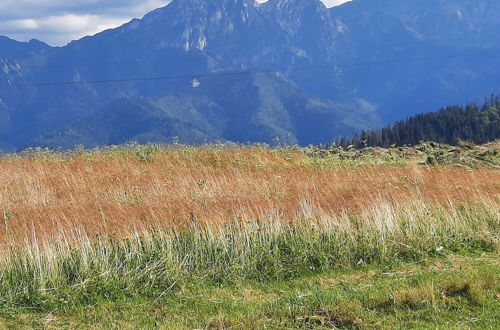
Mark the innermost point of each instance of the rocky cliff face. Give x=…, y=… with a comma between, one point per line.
x=450, y=22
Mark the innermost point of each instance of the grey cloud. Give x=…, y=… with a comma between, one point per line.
x=58, y=30
x=60, y=21
x=13, y=9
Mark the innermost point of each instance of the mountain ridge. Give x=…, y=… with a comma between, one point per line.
x=189, y=37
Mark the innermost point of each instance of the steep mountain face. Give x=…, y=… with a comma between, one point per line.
x=241, y=33
x=462, y=23
x=12, y=56
x=451, y=48
x=341, y=70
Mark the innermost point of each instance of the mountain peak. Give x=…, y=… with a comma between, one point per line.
x=205, y=6
x=36, y=42
x=318, y=3
x=186, y=12
x=13, y=48
x=298, y=7
x=355, y=59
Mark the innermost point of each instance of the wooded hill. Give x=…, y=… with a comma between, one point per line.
x=450, y=125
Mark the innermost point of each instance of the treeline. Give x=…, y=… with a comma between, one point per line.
x=477, y=124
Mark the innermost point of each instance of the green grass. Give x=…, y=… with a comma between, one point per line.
x=412, y=265
x=426, y=153
x=451, y=292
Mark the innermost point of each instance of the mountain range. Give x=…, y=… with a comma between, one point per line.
x=287, y=71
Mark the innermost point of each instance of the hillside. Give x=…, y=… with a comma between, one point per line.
x=450, y=125
x=268, y=109
x=340, y=70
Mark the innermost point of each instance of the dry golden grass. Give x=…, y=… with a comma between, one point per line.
x=121, y=193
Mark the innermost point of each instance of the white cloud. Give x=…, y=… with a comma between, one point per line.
x=20, y=24
x=58, y=30
x=41, y=8
x=59, y=21
x=333, y=3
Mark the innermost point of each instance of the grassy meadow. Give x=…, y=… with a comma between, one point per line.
x=230, y=236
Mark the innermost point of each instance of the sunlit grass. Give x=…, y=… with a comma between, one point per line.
x=151, y=223
x=68, y=271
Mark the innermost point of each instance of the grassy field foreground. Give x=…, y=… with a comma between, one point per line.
x=251, y=237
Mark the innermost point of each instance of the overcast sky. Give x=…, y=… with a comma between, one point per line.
x=57, y=22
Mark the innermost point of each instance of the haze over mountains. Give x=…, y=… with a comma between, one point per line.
x=339, y=70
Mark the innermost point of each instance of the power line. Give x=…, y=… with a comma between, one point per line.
x=247, y=72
